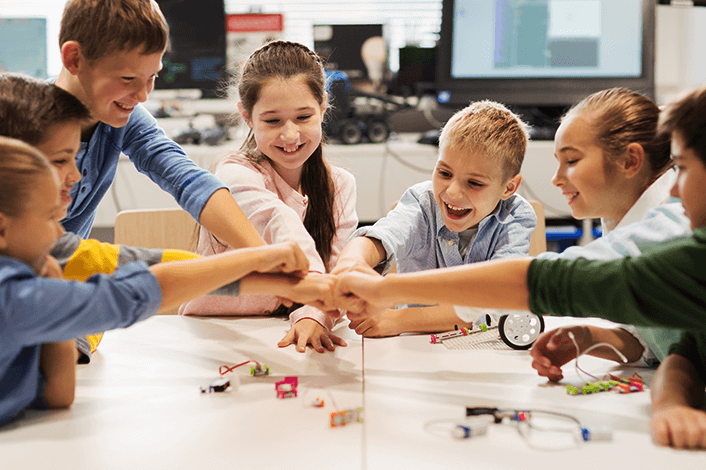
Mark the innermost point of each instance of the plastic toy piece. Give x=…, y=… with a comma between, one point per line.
x=220, y=385
x=438, y=338
x=317, y=403
x=259, y=369
x=466, y=430
x=344, y=417
x=287, y=388
x=520, y=329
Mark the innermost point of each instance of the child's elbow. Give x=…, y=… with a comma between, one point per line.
x=60, y=399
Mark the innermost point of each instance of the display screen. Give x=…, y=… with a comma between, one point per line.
x=546, y=38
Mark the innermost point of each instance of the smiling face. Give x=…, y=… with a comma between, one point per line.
x=30, y=236
x=61, y=144
x=589, y=181
x=113, y=85
x=691, y=182
x=286, y=123
x=468, y=186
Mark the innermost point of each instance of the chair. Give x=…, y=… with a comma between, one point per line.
x=538, y=243
x=156, y=228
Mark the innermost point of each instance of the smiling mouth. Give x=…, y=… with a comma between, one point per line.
x=456, y=212
x=570, y=197
x=291, y=149
x=122, y=106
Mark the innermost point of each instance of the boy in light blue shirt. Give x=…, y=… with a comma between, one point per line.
x=468, y=212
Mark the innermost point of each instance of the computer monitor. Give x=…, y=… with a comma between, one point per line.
x=24, y=46
x=543, y=53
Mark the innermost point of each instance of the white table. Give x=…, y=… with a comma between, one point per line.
x=138, y=405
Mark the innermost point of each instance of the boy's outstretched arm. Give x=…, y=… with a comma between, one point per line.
x=392, y=322
x=491, y=284
x=677, y=392
x=57, y=361
x=184, y=280
x=360, y=254
x=225, y=219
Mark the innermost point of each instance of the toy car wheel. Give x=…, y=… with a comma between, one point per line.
x=520, y=330
x=351, y=133
x=378, y=132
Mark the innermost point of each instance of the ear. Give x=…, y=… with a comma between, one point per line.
x=71, y=56
x=3, y=233
x=511, y=186
x=244, y=114
x=324, y=104
x=633, y=160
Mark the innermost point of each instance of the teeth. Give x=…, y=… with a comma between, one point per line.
x=128, y=108
x=291, y=150
x=455, y=208
x=570, y=196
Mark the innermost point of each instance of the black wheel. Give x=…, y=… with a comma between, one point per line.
x=378, y=132
x=520, y=330
x=351, y=133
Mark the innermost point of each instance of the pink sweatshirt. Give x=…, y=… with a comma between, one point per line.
x=276, y=211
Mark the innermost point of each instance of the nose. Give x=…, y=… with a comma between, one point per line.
x=558, y=178
x=290, y=132
x=454, y=190
x=59, y=230
x=143, y=90
x=74, y=175
x=674, y=192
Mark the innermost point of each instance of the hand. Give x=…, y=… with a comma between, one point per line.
x=679, y=426
x=350, y=265
x=51, y=268
x=310, y=332
x=314, y=289
x=386, y=323
x=554, y=348
x=360, y=294
x=283, y=257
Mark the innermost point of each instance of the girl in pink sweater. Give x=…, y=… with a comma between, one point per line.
x=283, y=184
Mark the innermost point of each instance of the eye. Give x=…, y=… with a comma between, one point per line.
x=271, y=121
x=444, y=173
x=128, y=79
x=475, y=184
x=304, y=117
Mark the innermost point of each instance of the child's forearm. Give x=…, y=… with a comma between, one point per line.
x=363, y=250
x=225, y=219
x=676, y=383
x=181, y=281
x=491, y=284
x=429, y=319
x=621, y=339
x=57, y=361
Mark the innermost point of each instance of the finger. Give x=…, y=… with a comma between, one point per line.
x=338, y=340
x=287, y=340
x=285, y=302
x=327, y=343
x=660, y=432
x=315, y=342
x=301, y=343
x=353, y=323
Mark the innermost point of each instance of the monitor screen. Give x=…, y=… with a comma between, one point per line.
x=24, y=46
x=543, y=52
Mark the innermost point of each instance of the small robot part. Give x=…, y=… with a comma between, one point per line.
x=467, y=429
x=317, y=403
x=287, y=388
x=220, y=385
x=259, y=369
x=344, y=417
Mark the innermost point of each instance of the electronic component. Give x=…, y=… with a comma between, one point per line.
x=344, y=417
x=470, y=428
x=220, y=385
x=259, y=369
x=287, y=388
x=438, y=338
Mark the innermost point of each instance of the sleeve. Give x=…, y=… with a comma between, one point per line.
x=164, y=162
x=662, y=288
x=40, y=310
x=692, y=346
x=271, y=217
x=346, y=222
x=404, y=230
x=514, y=237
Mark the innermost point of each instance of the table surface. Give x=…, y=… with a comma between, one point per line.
x=138, y=405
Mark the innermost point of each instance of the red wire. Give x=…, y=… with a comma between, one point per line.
x=231, y=369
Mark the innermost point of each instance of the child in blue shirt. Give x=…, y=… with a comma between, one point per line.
x=469, y=212
x=40, y=316
x=111, y=53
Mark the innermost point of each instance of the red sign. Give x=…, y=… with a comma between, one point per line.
x=253, y=22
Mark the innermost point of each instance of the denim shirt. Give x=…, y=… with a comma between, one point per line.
x=37, y=310
x=414, y=235
x=153, y=154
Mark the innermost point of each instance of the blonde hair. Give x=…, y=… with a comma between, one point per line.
x=102, y=27
x=492, y=128
x=20, y=166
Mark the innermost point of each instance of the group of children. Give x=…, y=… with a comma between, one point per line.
x=278, y=223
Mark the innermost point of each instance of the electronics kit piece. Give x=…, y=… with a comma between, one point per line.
x=220, y=385
x=287, y=388
x=344, y=417
x=518, y=329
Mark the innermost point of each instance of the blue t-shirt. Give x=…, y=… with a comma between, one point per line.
x=153, y=154
x=36, y=310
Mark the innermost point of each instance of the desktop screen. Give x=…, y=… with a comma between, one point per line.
x=546, y=39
